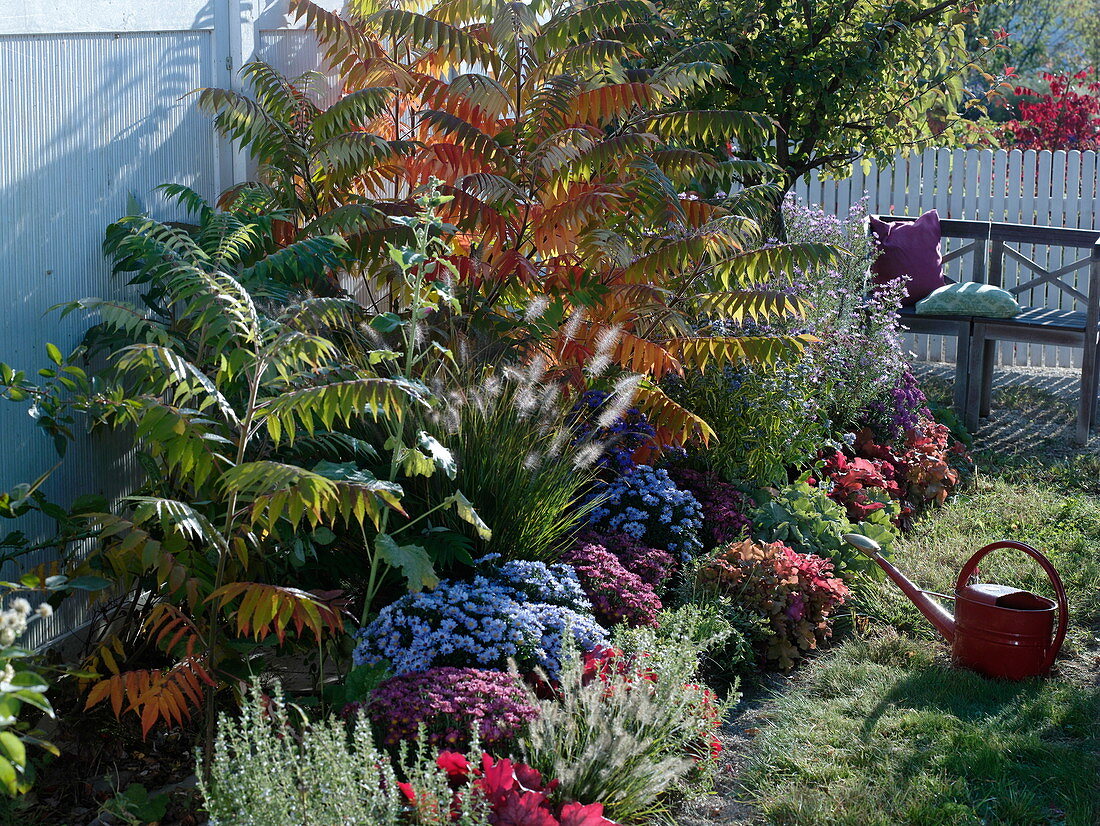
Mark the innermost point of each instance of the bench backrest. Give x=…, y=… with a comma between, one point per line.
x=992, y=243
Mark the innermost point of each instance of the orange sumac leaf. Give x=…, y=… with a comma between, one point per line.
x=272, y=608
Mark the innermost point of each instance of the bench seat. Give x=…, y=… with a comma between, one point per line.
x=1028, y=317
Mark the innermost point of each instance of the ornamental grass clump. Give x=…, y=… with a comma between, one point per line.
x=518, y=460
x=625, y=729
x=445, y=704
x=521, y=611
x=646, y=505
x=794, y=592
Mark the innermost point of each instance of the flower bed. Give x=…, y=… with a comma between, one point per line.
x=521, y=510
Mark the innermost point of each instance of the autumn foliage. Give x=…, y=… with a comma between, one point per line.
x=1066, y=117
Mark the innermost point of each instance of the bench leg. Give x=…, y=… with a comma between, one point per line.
x=1095, y=387
x=978, y=346
x=989, y=356
x=1087, y=407
x=962, y=373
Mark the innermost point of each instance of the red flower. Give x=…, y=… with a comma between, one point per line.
x=455, y=764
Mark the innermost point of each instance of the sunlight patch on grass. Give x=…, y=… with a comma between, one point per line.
x=881, y=732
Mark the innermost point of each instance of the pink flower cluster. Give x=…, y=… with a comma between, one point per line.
x=449, y=702
x=655, y=566
x=515, y=792
x=724, y=506
x=617, y=594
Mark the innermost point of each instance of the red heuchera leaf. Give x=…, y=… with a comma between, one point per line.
x=577, y=814
x=522, y=809
x=497, y=779
x=528, y=777
x=516, y=793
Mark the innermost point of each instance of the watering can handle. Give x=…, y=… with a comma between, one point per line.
x=1052, y=575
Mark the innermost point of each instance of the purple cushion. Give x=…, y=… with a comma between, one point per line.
x=909, y=248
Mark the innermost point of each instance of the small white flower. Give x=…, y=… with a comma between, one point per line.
x=21, y=605
x=45, y=610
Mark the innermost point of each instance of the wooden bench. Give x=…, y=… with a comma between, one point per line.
x=1075, y=324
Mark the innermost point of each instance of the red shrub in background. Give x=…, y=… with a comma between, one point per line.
x=1068, y=117
x=926, y=468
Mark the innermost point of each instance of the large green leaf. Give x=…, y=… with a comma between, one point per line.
x=412, y=560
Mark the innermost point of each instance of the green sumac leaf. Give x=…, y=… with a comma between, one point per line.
x=412, y=560
x=94, y=583
x=7, y=777
x=13, y=747
x=386, y=322
x=54, y=353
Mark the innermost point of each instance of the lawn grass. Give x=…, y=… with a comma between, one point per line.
x=881, y=730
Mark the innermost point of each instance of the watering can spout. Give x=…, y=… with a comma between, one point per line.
x=943, y=621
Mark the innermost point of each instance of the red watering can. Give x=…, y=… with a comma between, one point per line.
x=997, y=630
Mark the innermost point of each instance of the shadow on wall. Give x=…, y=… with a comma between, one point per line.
x=86, y=122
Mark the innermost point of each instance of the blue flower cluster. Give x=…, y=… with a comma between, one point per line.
x=621, y=438
x=521, y=611
x=646, y=505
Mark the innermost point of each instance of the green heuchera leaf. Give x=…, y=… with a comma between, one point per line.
x=441, y=457
x=412, y=560
x=467, y=513
x=806, y=519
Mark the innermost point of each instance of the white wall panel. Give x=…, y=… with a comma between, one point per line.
x=86, y=121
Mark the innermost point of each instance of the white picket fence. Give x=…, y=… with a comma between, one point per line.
x=1044, y=188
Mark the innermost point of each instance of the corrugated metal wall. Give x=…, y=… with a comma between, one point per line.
x=95, y=108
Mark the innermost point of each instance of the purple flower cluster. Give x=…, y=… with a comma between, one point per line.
x=908, y=406
x=593, y=419
x=653, y=565
x=860, y=354
x=487, y=621
x=449, y=702
x=724, y=506
x=617, y=594
x=646, y=505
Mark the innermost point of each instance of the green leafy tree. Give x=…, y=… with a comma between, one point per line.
x=840, y=80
